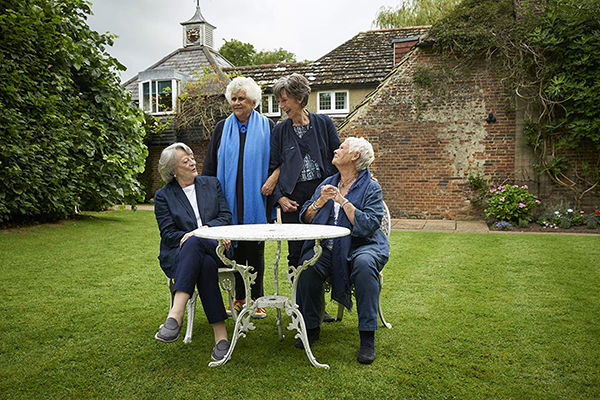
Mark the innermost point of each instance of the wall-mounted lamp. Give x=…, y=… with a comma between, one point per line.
x=490, y=118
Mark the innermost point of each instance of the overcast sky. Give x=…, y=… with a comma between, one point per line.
x=150, y=29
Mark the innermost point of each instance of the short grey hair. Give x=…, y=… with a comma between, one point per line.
x=168, y=160
x=241, y=83
x=295, y=85
x=367, y=155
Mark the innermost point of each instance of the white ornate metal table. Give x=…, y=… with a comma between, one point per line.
x=272, y=232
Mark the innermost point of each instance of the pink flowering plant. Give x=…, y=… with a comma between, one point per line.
x=511, y=203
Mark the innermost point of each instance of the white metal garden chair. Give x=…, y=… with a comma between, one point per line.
x=227, y=283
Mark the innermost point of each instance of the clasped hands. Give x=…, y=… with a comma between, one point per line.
x=329, y=192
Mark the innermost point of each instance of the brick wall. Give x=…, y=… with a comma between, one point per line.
x=198, y=147
x=427, y=139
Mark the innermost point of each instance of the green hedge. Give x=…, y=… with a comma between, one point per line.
x=69, y=136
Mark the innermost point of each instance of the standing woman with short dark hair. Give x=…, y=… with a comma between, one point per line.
x=302, y=147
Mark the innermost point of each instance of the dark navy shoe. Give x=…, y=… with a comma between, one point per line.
x=328, y=318
x=169, y=331
x=366, y=354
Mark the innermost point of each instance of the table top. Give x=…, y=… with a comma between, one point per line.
x=272, y=232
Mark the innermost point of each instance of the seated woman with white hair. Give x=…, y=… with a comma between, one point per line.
x=353, y=200
x=188, y=202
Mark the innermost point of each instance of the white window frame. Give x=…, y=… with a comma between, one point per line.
x=271, y=100
x=174, y=94
x=333, y=110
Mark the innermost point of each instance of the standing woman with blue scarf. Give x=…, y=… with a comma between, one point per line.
x=238, y=155
x=353, y=200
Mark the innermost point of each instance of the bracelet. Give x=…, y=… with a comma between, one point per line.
x=314, y=206
x=344, y=203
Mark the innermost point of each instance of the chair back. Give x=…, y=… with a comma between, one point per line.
x=386, y=221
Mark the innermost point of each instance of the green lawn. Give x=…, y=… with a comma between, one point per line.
x=474, y=316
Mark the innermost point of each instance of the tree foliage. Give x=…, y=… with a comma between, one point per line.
x=549, y=55
x=274, y=57
x=241, y=54
x=69, y=136
x=413, y=13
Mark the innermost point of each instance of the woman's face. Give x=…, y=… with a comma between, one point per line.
x=342, y=156
x=242, y=106
x=291, y=105
x=185, y=169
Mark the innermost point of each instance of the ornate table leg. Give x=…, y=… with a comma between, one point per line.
x=292, y=308
x=244, y=271
x=242, y=323
x=276, y=286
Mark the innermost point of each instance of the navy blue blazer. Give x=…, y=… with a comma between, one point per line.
x=285, y=151
x=175, y=216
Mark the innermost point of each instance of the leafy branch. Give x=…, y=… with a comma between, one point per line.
x=202, y=103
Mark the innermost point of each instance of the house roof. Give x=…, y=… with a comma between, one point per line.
x=198, y=18
x=184, y=60
x=363, y=60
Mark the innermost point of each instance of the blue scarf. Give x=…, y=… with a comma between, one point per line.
x=340, y=267
x=257, y=150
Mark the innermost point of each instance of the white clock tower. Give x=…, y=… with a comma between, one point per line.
x=197, y=31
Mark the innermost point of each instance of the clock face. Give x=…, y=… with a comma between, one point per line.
x=193, y=34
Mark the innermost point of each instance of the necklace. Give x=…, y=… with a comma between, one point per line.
x=345, y=183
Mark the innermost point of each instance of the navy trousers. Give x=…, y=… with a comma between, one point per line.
x=252, y=253
x=364, y=275
x=198, y=267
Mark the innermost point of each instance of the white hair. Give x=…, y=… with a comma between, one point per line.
x=241, y=83
x=364, y=148
x=168, y=160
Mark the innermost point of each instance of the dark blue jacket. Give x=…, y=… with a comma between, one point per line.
x=175, y=216
x=285, y=151
x=367, y=237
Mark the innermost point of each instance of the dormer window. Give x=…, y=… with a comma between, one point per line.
x=333, y=102
x=159, y=96
x=158, y=90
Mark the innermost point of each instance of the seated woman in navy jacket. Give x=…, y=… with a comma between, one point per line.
x=189, y=202
x=353, y=200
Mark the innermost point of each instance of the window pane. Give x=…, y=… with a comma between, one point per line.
x=340, y=101
x=146, y=96
x=325, y=101
x=265, y=105
x=275, y=105
x=165, y=96
x=154, y=100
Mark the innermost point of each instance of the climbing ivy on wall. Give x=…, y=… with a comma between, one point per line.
x=547, y=53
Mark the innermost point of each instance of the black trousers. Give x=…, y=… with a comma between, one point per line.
x=301, y=194
x=252, y=253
